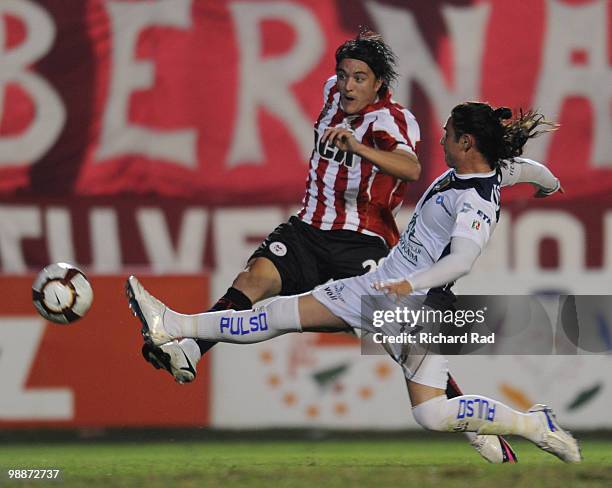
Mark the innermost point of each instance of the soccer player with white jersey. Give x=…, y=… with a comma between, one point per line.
x=452, y=224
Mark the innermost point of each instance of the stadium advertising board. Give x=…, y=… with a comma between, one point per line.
x=90, y=373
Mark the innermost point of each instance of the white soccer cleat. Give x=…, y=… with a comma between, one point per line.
x=173, y=358
x=149, y=310
x=556, y=440
x=494, y=449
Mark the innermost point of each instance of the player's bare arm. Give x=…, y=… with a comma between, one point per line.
x=398, y=163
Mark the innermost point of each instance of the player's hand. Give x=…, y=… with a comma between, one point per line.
x=395, y=288
x=541, y=193
x=340, y=137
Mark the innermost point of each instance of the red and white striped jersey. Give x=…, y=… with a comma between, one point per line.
x=344, y=191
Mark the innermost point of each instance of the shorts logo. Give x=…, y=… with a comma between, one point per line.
x=334, y=291
x=278, y=248
x=476, y=225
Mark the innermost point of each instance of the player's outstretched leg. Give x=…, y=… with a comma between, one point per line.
x=259, y=280
x=474, y=413
x=161, y=325
x=493, y=448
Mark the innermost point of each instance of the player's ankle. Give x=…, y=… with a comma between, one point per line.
x=536, y=432
x=179, y=325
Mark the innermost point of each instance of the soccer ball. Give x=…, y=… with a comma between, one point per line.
x=61, y=293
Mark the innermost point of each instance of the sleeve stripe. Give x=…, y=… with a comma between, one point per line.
x=399, y=124
x=329, y=88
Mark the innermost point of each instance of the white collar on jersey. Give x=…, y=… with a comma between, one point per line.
x=466, y=176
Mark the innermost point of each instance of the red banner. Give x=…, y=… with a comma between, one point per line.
x=91, y=373
x=215, y=101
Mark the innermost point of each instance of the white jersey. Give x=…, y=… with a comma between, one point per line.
x=453, y=206
x=465, y=206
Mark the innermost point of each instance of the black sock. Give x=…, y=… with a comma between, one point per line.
x=233, y=299
x=452, y=388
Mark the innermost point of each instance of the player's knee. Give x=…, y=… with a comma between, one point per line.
x=431, y=414
x=283, y=314
x=259, y=282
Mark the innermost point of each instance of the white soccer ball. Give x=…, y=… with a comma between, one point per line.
x=61, y=293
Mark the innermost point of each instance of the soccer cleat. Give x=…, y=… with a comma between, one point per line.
x=556, y=440
x=149, y=310
x=172, y=358
x=494, y=448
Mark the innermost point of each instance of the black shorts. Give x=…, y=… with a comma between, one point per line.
x=307, y=257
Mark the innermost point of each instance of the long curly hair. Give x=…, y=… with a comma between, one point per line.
x=498, y=134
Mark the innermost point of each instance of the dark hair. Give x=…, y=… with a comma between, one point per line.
x=495, y=139
x=370, y=48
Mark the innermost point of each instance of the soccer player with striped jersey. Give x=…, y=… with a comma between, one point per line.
x=452, y=223
x=363, y=156
x=364, y=153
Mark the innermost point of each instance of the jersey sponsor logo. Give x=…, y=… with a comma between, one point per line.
x=278, y=248
x=484, y=216
x=409, y=251
x=409, y=246
x=467, y=207
x=411, y=231
x=332, y=153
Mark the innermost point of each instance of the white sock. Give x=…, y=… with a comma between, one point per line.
x=275, y=318
x=476, y=413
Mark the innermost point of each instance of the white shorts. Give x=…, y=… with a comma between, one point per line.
x=344, y=298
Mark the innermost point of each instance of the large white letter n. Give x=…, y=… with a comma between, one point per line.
x=577, y=29
x=129, y=74
x=265, y=82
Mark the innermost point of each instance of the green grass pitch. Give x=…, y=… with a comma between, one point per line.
x=419, y=463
